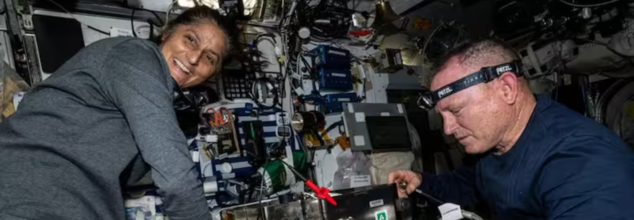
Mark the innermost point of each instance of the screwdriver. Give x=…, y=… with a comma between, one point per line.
x=403, y=185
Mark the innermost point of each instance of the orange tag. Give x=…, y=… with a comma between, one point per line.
x=422, y=24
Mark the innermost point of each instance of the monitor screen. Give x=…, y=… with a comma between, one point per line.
x=388, y=132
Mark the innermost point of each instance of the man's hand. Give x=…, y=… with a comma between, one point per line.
x=412, y=179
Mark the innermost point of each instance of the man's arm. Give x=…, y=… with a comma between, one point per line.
x=136, y=81
x=592, y=181
x=457, y=186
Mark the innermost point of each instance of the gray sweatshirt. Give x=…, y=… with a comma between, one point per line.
x=80, y=133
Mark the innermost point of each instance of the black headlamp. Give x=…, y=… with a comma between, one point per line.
x=429, y=99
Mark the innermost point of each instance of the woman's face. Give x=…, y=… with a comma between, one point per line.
x=193, y=52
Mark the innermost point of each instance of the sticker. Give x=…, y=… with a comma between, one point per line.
x=450, y=211
x=338, y=74
x=382, y=215
x=385, y=114
x=240, y=165
x=376, y=203
x=398, y=58
x=359, y=116
x=116, y=32
x=359, y=140
x=360, y=181
x=222, y=156
x=350, y=108
x=400, y=108
x=228, y=176
x=299, y=91
x=195, y=156
x=422, y=24
x=336, y=53
x=17, y=98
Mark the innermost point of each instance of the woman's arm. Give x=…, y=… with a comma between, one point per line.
x=138, y=82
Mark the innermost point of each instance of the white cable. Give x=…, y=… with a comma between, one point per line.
x=169, y=9
x=470, y=215
x=590, y=5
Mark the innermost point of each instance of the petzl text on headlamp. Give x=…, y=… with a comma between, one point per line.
x=486, y=74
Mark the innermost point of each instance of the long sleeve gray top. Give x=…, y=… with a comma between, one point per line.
x=75, y=136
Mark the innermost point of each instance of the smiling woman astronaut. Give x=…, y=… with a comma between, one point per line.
x=79, y=135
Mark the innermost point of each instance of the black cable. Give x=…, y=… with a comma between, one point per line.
x=332, y=126
x=97, y=30
x=297, y=173
x=161, y=23
x=132, y=23
x=156, y=16
x=151, y=35
x=71, y=14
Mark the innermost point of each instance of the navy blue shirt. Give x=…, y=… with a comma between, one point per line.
x=564, y=166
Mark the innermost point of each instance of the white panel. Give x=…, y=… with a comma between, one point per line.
x=359, y=116
x=326, y=166
x=359, y=140
x=154, y=5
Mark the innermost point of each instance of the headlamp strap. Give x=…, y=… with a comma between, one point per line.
x=485, y=75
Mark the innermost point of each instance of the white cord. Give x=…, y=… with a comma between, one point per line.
x=588, y=6
x=205, y=168
x=470, y=215
x=169, y=9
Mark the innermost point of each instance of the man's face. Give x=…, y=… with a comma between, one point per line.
x=472, y=116
x=193, y=52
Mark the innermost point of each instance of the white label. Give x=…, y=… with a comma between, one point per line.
x=385, y=114
x=338, y=74
x=116, y=32
x=221, y=156
x=240, y=165
x=350, y=108
x=376, y=203
x=398, y=58
x=359, y=140
x=195, y=156
x=343, y=100
x=503, y=69
x=450, y=211
x=360, y=181
x=336, y=53
x=361, y=71
x=17, y=98
x=228, y=176
x=444, y=92
x=400, y=108
x=359, y=116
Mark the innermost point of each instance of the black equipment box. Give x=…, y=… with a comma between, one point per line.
x=372, y=203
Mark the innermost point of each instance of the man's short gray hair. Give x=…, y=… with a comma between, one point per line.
x=485, y=52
